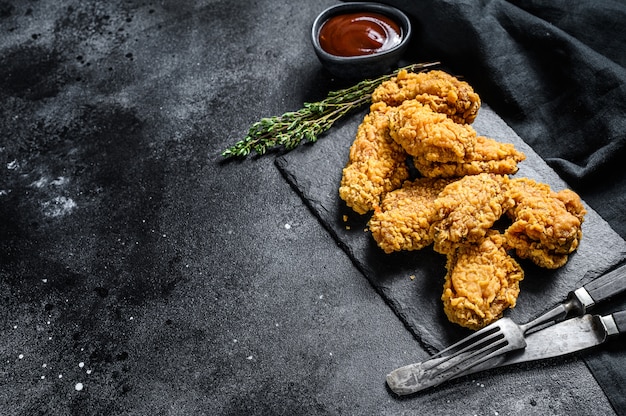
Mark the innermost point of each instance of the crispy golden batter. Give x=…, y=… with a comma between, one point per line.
x=482, y=281
x=428, y=135
x=443, y=149
x=403, y=221
x=546, y=225
x=488, y=156
x=467, y=209
x=376, y=165
x=442, y=92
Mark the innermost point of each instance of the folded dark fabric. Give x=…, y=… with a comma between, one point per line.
x=554, y=71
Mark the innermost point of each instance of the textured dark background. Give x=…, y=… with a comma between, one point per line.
x=135, y=261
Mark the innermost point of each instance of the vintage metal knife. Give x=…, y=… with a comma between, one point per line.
x=573, y=335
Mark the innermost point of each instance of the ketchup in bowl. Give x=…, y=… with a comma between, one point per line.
x=358, y=34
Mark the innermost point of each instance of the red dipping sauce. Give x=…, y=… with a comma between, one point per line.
x=357, y=34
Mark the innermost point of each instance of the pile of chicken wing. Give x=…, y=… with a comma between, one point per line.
x=464, y=187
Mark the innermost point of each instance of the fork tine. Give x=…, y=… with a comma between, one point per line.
x=481, y=337
x=485, y=342
x=467, y=360
x=469, y=340
x=491, y=351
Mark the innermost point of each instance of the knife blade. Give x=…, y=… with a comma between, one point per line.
x=567, y=337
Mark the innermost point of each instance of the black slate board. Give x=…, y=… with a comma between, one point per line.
x=411, y=282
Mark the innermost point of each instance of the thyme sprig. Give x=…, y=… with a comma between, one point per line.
x=313, y=119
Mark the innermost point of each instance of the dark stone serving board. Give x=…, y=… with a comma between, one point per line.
x=411, y=282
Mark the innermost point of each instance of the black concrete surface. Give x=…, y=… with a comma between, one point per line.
x=140, y=274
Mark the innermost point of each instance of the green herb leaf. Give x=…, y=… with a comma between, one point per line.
x=290, y=129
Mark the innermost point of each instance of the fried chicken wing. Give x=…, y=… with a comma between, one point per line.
x=547, y=226
x=482, y=281
x=376, y=163
x=467, y=209
x=444, y=149
x=428, y=135
x=488, y=156
x=404, y=219
x=442, y=92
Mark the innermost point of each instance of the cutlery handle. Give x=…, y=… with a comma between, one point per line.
x=620, y=321
x=607, y=285
x=613, y=324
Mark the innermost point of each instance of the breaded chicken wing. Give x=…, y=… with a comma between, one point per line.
x=403, y=221
x=482, y=281
x=428, y=135
x=467, y=209
x=443, y=149
x=547, y=226
x=442, y=92
x=376, y=164
x=488, y=156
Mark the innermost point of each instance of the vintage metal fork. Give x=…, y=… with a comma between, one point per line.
x=500, y=337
